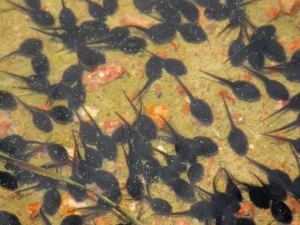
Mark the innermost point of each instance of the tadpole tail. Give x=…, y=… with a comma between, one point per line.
x=229, y=25
x=47, y=33
x=77, y=115
x=10, y=54
x=240, y=182
x=29, y=188
x=93, y=121
x=259, y=165
x=144, y=89
x=247, y=3
x=204, y=191
x=279, y=68
x=14, y=75
x=218, y=78
x=173, y=214
x=139, y=28
x=122, y=118
x=276, y=112
x=130, y=102
x=294, y=123
x=45, y=218
x=20, y=7
x=235, y=54
x=157, y=150
x=53, y=28
x=105, y=48
x=228, y=114
x=24, y=104
x=256, y=74
x=280, y=138
x=186, y=90
x=260, y=181
x=63, y=4
x=76, y=146
x=296, y=158
x=173, y=131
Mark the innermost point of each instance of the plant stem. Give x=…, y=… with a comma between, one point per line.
x=55, y=176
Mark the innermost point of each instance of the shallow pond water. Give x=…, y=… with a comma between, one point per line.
x=104, y=96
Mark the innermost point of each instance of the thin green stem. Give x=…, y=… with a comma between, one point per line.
x=58, y=177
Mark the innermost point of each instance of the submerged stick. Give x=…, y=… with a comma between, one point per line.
x=55, y=176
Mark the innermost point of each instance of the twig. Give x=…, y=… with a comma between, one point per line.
x=55, y=176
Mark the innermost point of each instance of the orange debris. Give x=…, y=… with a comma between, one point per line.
x=103, y=75
x=33, y=209
x=109, y=126
x=131, y=20
x=272, y=13
x=175, y=45
x=156, y=111
x=224, y=93
x=186, y=108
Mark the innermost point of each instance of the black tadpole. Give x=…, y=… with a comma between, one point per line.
x=93, y=158
x=231, y=187
x=34, y=82
x=110, y=6
x=40, y=119
x=237, y=139
x=7, y=101
x=289, y=69
x=158, y=205
x=198, y=107
x=280, y=211
x=159, y=33
x=9, y=218
x=168, y=13
x=143, y=123
x=182, y=147
x=235, y=47
x=243, y=90
x=192, y=32
x=28, y=48
x=34, y=4
x=71, y=40
x=8, y=181
x=145, y=6
x=195, y=173
x=202, y=211
x=51, y=201
x=173, y=161
x=78, y=194
x=275, y=89
x=257, y=195
x=153, y=69
x=90, y=57
x=183, y=189
x=113, y=37
x=67, y=18
x=172, y=66
x=293, y=104
x=131, y=45
x=96, y=11
x=40, y=65
x=87, y=130
x=275, y=176
x=77, y=96
x=40, y=17
x=104, y=144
